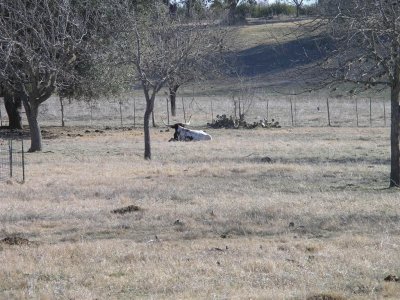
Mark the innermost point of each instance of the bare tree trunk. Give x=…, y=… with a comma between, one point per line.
x=172, y=99
x=32, y=110
x=394, y=133
x=62, y=111
x=188, y=8
x=146, y=125
x=13, y=106
x=231, y=15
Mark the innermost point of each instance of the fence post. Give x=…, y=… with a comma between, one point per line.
x=167, y=110
x=183, y=108
x=370, y=111
x=384, y=113
x=91, y=112
x=267, y=109
x=357, y=112
x=10, y=149
x=120, y=111
x=134, y=112
x=1, y=119
x=240, y=109
x=329, y=114
x=234, y=106
x=212, y=112
x=23, y=160
x=291, y=111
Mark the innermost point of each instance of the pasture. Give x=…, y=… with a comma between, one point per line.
x=210, y=219
x=298, y=212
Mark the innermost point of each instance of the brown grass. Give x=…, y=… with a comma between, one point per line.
x=244, y=37
x=318, y=220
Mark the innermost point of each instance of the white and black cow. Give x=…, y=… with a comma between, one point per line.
x=186, y=135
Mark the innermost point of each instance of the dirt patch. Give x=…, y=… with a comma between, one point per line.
x=7, y=133
x=55, y=132
x=266, y=159
x=15, y=240
x=127, y=209
x=392, y=278
x=325, y=297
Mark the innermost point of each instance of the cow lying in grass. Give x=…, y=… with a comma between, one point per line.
x=183, y=134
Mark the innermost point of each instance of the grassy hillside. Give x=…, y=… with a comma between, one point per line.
x=267, y=55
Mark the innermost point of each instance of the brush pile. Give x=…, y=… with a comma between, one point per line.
x=222, y=121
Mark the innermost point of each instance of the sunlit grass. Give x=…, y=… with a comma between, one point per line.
x=318, y=219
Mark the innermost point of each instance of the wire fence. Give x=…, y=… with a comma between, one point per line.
x=288, y=111
x=12, y=159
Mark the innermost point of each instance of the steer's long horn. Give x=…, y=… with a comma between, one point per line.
x=188, y=122
x=170, y=126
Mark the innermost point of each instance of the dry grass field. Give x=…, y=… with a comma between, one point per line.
x=285, y=213
x=211, y=219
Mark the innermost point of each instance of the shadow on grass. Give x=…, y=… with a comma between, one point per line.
x=264, y=59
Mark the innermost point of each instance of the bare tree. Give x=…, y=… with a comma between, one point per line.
x=160, y=49
x=42, y=41
x=232, y=5
x=298, y=4
x=367, y=39
x=208, y=65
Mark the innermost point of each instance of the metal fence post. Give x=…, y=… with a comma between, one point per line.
x=370, y=111
x=356, y=112
x=384, y=113
x=328, y=111
x=23, y=160
x=291, y=111
x=10, y=149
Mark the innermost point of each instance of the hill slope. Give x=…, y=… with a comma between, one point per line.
x=271, y=53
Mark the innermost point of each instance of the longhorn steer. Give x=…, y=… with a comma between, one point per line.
x=184, y=134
